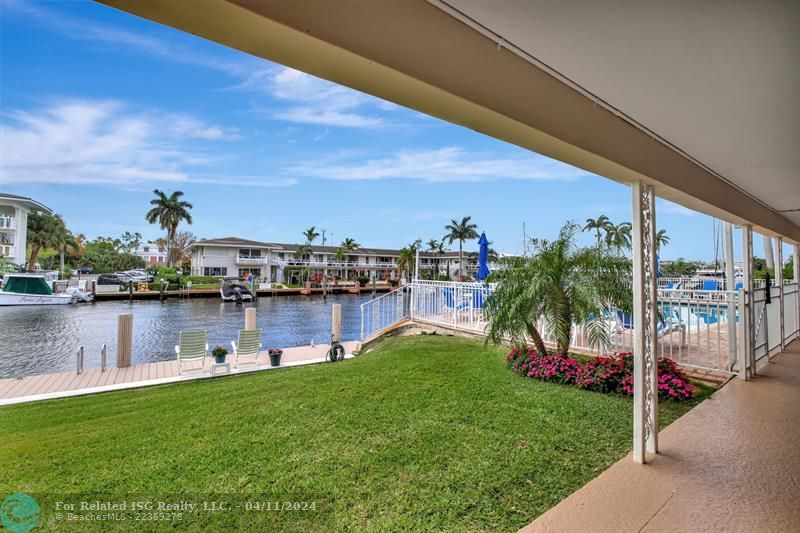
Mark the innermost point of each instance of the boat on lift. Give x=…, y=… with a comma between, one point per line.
x=234, y=290
x=35, y=289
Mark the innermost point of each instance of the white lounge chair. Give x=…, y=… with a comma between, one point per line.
x=247, y=348
x=192, y=347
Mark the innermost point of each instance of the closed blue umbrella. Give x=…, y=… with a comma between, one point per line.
x=483, y=258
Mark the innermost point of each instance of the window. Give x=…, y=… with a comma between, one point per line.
x=215, y=271
x=256, y=272
x=250, y=253
x=146, y=248
x=214, y=251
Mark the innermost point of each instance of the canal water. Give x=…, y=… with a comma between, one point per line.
x=45, y=338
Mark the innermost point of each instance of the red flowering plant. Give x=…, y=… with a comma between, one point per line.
x=601, y=374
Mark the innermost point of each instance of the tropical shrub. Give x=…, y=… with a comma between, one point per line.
x=603, y=374
x=610, y=374
x=363, y=280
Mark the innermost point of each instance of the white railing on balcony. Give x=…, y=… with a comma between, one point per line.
x=337, y=264
x=251, y=260
x=7, y=222
x=384, y=311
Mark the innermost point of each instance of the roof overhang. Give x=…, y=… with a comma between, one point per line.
x=419, y=55
x=22, y=201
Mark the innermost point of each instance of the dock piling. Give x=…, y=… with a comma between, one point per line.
x=250, y=318
x=79, y=367
x=336, y=322
x=124, y=340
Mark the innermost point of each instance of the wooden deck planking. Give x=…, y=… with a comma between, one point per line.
x=144, y=372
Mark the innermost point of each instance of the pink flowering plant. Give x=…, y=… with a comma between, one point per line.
x=609, y=374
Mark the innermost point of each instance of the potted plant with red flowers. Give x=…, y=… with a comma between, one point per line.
x=275, y=356
x=219, y=353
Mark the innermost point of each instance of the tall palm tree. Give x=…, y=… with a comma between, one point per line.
x=619, y=236
x=302, y=250
x=433, y=247
x=601, y=223
x=461, y=231
x=169, y=212
x=46, y=231
x=405, y=261
x=349, y=244
x=661, y=239
x=340, y=255
x=311, y=234
x=564, y=284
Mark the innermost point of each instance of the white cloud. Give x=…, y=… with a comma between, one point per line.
x=316, y=101
x=100, y=142
x=452, y=164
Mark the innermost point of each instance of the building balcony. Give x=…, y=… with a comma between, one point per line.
x=7, y=222
x=251, y=260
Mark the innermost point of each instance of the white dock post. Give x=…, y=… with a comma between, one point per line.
x=336, y=322
x=250, y=318
x=124, y=340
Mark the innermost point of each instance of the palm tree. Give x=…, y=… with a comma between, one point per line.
x=347, y=245
x=619, y=236
x=46, y=231
x=169, y=212
x=311, y=234
x=405, y=261
x=302, y=250
x=601, y=223
x=461, y=231
x=433, y=247
x=661, y=239
x=564, y=284
x=340, y=255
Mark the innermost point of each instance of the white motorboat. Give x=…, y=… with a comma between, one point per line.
x=33, y=289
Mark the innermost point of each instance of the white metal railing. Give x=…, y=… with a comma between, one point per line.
x=693, y=327
x=251, y=260
x=7, y=222
x=384, y=311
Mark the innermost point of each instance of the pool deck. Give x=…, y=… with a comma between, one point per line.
x=90, y=381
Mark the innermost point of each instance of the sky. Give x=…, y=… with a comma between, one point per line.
x=98, y=108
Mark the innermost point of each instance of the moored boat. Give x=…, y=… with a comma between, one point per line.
x=234, y=290
x=31, y=289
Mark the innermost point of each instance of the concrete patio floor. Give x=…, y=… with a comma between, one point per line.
x=730, y=464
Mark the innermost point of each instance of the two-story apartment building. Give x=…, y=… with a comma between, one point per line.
x=236, y=257
x=14, y=225
x=152, y=254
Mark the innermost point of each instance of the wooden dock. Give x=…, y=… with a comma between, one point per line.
x=214, y=293
x=61, y=384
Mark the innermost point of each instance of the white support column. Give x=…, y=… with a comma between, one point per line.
x=779, y=283
x=749, y=326
x=796, y=264
x=645, y=318
x=730, y=286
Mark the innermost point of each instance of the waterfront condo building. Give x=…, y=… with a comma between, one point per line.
x=14, y=225
x=278, y=262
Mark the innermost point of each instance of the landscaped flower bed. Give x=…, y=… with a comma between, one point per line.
x=601, y=374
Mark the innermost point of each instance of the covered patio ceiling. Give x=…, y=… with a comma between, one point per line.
x=697, y=99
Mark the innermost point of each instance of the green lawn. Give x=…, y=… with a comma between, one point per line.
x=421, y=433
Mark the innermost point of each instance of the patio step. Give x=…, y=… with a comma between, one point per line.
x=711, y=378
